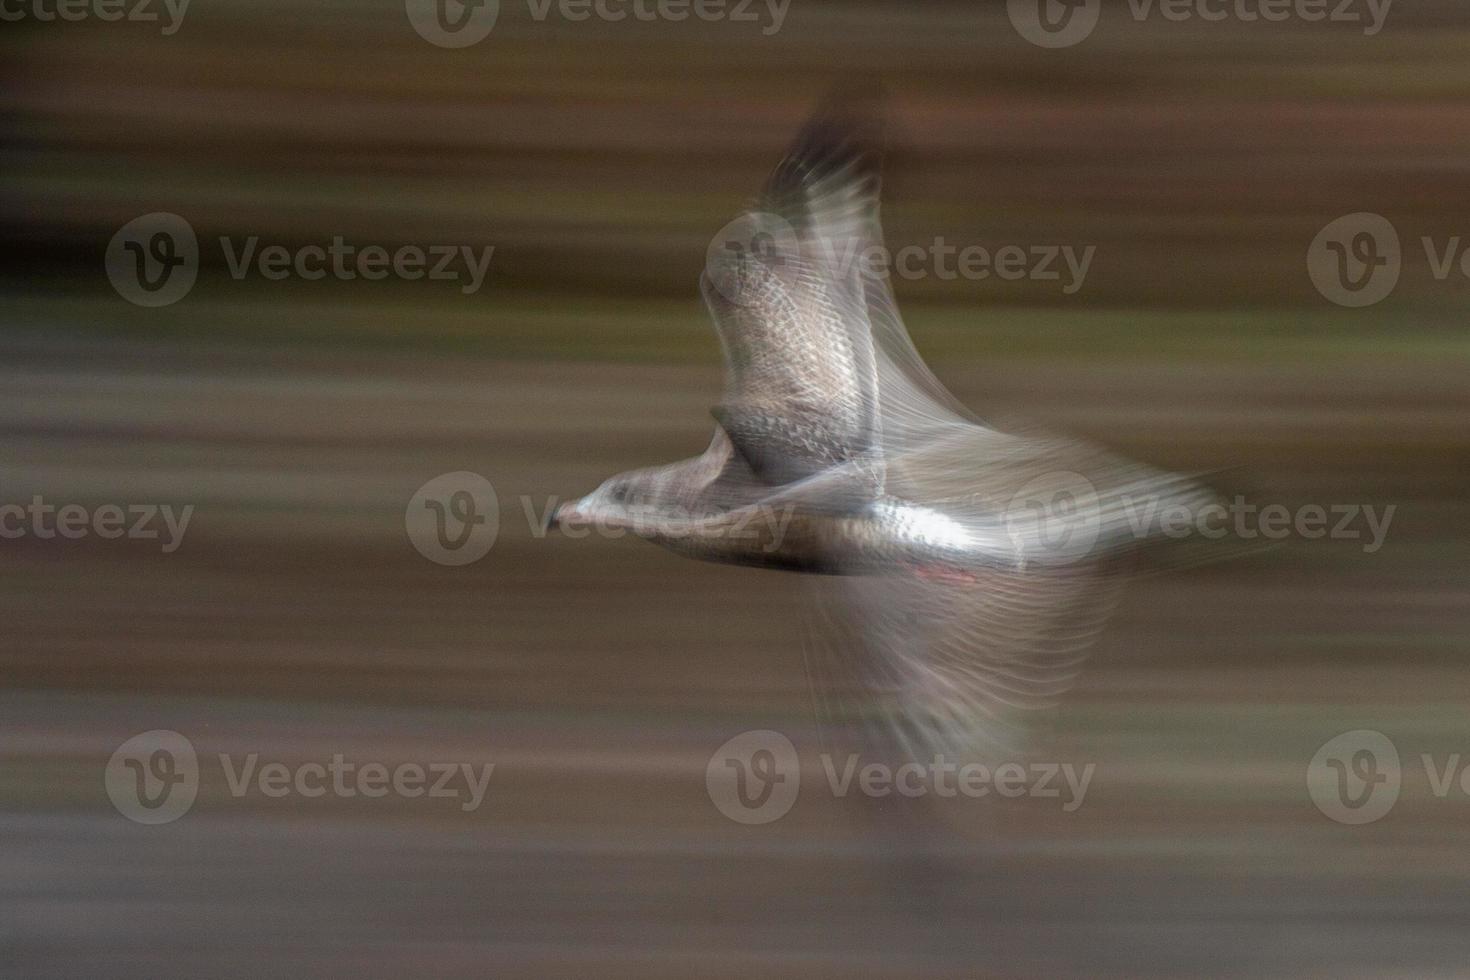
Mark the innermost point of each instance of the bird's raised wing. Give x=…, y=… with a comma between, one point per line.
x=820, y=368
x=785, y=290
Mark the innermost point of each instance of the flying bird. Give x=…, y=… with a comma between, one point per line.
x=973, y=566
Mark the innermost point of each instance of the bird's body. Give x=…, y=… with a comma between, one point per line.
x=977, y=557
x=875, y=538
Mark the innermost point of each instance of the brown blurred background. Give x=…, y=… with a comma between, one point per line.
x=299, y=418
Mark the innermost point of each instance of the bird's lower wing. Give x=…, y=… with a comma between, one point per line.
x=926, y=667
x=930, y=659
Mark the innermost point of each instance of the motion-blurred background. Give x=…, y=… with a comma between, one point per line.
x=298, y=417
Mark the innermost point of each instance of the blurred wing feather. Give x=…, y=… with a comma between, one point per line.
x=788, y=302
x=927, y=662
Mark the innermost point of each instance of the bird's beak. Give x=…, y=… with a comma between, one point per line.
x=562, y=513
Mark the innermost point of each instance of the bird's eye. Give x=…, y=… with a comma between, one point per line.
x=620, y=494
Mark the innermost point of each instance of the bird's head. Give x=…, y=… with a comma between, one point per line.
x=624, y=501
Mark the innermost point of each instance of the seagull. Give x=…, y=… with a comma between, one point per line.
x=974, y=565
